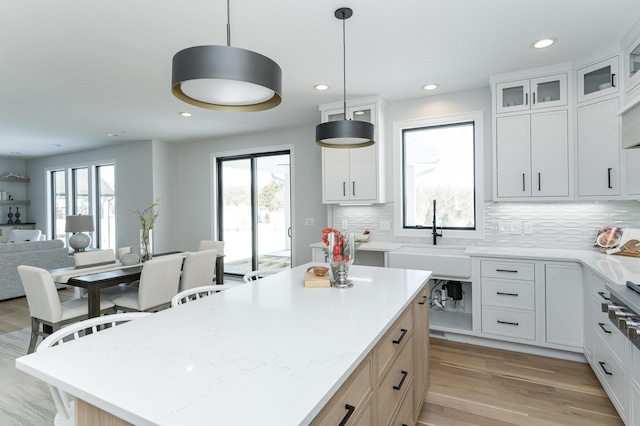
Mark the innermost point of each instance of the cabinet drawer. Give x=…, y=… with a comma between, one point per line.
x=393, y=341
x=508, y=294
x=612, y=376
x=395, y=383
x=509, y=323
x=405, y=414
x=354, y=393
x=609, y=333
x=508, y=270
x=599, y=290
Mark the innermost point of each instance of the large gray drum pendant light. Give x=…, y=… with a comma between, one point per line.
x=344, y=133
x=226, y=78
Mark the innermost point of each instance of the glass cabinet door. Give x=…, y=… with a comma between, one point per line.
x=598, y=80
x=632, y=66
x=512, y=96
x=550, y=91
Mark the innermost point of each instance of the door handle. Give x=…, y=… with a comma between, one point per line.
x=609, y=178
x=289, y=232
x=344, y=189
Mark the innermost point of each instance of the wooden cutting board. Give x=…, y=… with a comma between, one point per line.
x=313, y=281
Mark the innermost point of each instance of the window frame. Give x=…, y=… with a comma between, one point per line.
x=399, y=127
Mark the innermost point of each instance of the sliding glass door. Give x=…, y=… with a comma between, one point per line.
x=254, y=206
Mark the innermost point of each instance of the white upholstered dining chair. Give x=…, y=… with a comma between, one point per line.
x=64, y=402
x=159, y=282
x=196, y=293
x=198, y=269
x=218, y=246
x=22, y=235
x=45, y=307
x=94, y=257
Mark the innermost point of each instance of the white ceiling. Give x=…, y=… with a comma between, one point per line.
x=74, y=70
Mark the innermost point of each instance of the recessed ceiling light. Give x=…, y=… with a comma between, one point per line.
x=185, y=114
x=321, y=87
x=430, y=86
x=544, y=42
x=113, y=135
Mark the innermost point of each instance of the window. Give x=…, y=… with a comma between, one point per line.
x=86, y=190
x=439, y=162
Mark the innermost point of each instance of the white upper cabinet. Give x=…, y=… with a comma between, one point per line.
x=632, y=66
x=599, y=149
x=597, y=80
x=532, y=155
x=531, y=94
x=354, y=175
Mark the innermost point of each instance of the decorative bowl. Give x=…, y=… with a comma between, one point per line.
x=130, y=259
x=318, y=271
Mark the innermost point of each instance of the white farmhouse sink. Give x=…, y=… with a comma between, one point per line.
x=445, y=262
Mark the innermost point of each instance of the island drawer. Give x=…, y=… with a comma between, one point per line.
x=405, y=413
x=509, y=270
x=351, y=400
x=393, y=341
x=510, y=323
x=395, y=383
x=508, y=294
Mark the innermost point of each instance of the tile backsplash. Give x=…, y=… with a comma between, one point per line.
x=555, y=225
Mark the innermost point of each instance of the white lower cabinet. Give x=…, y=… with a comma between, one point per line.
x=318, y=255
x=634, y=388
x=612, y=375
x=563, y=305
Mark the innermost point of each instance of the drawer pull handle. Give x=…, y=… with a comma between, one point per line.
x=424, y=300
x=404, y=332
x=507, y=322
x=350, y=409
x=601, y=293
x=601, y=324
x=404, y=376
x=506, y=294
x=604, y=369
x=513, y=271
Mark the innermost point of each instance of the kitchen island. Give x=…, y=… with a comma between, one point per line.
x=268, y=352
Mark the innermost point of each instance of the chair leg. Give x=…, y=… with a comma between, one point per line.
x=35, y=327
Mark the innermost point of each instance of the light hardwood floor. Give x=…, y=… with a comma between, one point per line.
x=472, y=385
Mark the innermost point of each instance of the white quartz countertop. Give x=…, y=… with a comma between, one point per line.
x=271, y=352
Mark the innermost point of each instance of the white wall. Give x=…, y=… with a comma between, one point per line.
x=195, y=202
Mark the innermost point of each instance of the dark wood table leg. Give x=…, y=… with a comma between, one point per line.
x=94, y=302
x=220, y=270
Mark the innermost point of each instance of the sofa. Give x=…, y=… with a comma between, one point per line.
x=50, y=254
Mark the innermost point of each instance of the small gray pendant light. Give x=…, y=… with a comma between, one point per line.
x=344, y=133
x=226, y=78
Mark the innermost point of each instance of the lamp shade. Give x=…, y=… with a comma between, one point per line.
x=79, y=223
x=345, y=134
x=226, y=78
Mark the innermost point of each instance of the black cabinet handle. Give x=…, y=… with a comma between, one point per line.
x=404, y=376
x=350, y=409
x=404, y=332
x=526, y=99
x=506, y=294
x=344, y=189
x=523, y=181
x=601, y=293
x=604, y=369
x=533, y=98
x=507, y=322
x=609, y=178
x=601, y=324
x=424, y=300
x=514, y=271
x=354, y=188
x=539, y=182
x=613, y=81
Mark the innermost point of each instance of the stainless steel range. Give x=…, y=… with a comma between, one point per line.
x=625, y=317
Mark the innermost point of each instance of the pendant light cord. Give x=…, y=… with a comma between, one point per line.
x=228, y=26
x=344, y=64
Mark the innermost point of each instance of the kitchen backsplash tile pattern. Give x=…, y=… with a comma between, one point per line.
x=555, y=225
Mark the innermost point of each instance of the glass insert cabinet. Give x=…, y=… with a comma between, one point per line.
x=531, y=94
x=597, y=80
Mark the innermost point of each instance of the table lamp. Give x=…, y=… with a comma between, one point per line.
x=79, y=224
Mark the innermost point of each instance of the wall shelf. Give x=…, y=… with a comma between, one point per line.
x=14, y=179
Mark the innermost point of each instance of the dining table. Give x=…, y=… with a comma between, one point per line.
x=95, y=277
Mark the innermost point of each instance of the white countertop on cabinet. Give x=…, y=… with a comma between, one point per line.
x=613, y=268
x=268, y=352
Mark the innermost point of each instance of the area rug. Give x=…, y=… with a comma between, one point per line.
x=24, y=400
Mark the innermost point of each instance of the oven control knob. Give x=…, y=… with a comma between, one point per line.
x=633, y=332
x=619, y=312
x=626, y=323
x=607, y=307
